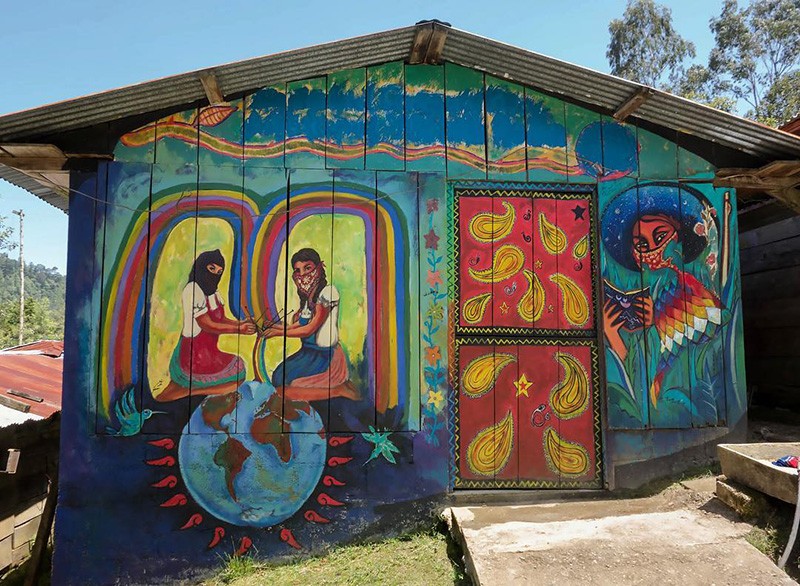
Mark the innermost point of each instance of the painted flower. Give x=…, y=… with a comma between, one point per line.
x=436, y=398
x=700, y=229
x=432, y=205
x=431, y=240
x=436, y=311
x=711, y=260
x=434, y=278
x=432, y=354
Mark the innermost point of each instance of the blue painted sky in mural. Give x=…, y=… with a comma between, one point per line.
x=66, y=49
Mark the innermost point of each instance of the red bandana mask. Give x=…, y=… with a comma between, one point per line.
x=308, y=282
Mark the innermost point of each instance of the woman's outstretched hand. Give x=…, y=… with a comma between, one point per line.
x=247, y=328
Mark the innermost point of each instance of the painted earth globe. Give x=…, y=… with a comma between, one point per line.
x=240, y=467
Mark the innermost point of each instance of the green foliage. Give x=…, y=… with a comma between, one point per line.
x=40, y=322
x=645, y=47
x=756, y=52
x=5, y=235
x=45, y=290
x=754, y=61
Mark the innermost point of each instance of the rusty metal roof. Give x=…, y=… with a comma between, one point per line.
x=33, y=372
x=578, y=84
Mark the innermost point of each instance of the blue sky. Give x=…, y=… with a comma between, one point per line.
x=55, y=50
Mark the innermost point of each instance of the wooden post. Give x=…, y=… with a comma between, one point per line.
x=43, y=533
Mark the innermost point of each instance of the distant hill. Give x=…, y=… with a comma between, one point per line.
x=45, y=288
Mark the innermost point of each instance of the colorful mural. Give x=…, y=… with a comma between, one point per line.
x=312, y=312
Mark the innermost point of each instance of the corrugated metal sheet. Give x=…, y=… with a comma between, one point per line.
x=36, y=372
x=31, y=185
x=575, y=83
x=234, y=78
x=609, y=92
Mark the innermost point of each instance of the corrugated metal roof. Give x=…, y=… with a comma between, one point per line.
x=36, y=372
x=575, y=83
x=46, y=192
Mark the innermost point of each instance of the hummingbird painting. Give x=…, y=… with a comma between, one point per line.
x=129, y=417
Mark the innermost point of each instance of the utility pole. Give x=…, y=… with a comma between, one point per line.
x=21, y=215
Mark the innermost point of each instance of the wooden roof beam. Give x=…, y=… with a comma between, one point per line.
x=428, y=43
x=633, y=103
x=779, y=179
x=212, y=88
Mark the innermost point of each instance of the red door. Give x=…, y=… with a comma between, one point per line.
x=526, y=339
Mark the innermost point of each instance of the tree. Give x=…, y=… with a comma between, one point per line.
x=5, y=235
x=645, y=47
x=756, y=52
x=700, y=84
x=40, y=322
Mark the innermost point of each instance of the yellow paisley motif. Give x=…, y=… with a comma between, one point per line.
x=480, y=374
x=531, y=305
x=576, y=306
x=570, y=397
x=489, y=227
x=475, y=307
x=581, y=248
x=565, y=457
x=507, y=261
x=489, y=452
x=553, y=237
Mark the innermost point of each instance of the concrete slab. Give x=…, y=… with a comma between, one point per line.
x=751, y=465
x=661, y=540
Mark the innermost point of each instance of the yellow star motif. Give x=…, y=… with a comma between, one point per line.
x=523, y=384
x=504, y=308
x=538, y=264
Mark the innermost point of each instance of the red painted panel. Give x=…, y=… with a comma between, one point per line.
x=546, y=260
x=475, y=258
x=513, y=255
x=575, y=265
x=475, y=405
x=538, y=365
x=505, y=406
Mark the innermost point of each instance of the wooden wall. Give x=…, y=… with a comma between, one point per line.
x=771, y=300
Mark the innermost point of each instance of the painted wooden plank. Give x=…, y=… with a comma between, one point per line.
x=538, y=374
x=121, y=365
x=359, y=270
x=690, y=164
x=386, y=117
x=703, y=211
x=265, y=126
x=546, y=260
x=425, y=118
x=658, y=156
x=137, y=146
x=546, y=137
x=572, y=405
x=576, y=280
x=434, y=212
x=171, y=252
x=310, y=229
x=624, y=343
x=398, y=201
x=506, y=415
x=512, y=223
x=345, y=146
x=221, y=133
x=217, y=365
x=620, y=150
x=85, y=286
x=306, y=123
x=505, y=130
x=670, y=380
x=476, y=415
x=264, y=277
x=464, y=115
x=584, y=144
x=475, y=257
x=176, y=140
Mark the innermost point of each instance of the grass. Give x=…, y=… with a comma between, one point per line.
x=418, y=559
